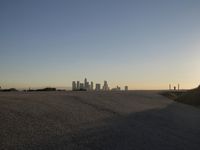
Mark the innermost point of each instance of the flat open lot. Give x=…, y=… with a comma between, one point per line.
x=96, y=120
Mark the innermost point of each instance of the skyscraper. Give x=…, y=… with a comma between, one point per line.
x=105, y=86
x=87, y=86
x=85, y=83
x=81, y=86
x=78, y=85
x=91, y=86
x=98, y=87
x=73, y=85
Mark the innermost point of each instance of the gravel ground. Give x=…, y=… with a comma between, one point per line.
x=96, y=120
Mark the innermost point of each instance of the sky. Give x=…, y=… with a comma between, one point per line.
x=145, y=44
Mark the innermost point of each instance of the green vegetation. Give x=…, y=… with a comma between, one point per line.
x=8, y=90
x=45, y=89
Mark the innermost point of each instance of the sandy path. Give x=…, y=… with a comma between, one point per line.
x=102, y=120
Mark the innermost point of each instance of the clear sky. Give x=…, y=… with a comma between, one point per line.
x=145, y=44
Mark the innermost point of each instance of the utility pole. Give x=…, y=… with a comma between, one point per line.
x=170, y=87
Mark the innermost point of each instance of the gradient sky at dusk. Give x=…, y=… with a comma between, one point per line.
x=145, y=44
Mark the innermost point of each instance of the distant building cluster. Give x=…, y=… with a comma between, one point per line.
x=86, y=86
x=175, y=88
x=89, y=86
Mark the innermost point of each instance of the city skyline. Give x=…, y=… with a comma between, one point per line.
x=142, y=44
x=89, y=86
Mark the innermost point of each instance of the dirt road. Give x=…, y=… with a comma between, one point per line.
x=97, y=121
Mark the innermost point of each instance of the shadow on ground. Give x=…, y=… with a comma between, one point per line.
x=174, y=127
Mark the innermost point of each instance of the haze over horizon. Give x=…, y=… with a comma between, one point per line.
x=142, y=44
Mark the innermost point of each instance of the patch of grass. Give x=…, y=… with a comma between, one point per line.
x=8, y=90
